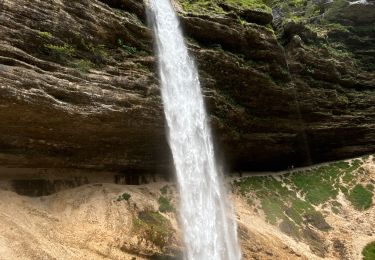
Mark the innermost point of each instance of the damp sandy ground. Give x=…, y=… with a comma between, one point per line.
x=82, y=223
x=89, y=223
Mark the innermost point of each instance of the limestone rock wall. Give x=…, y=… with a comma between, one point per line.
x=79, y=88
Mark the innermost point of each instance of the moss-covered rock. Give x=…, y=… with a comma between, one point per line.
x=153, y=227
x=369, y=251
x=277, y=97
x=299, y=202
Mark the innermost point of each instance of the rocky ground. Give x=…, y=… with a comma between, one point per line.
x=112, y=221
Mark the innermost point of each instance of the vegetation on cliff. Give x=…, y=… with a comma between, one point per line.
x=299, y=200
x=289, y=84
x=216, y=6
x=154, y=228
x=369, y=252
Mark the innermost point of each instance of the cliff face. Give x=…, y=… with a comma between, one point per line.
x=74, y=93
x=79, y=86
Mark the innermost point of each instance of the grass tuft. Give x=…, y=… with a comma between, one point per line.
x=82, y=65
x=164, y=190
x=153, y=227
x=360, y=197
x=129, y=49
x=124, y=196
x=369, y=252
x=165, y=205
x=46, y=35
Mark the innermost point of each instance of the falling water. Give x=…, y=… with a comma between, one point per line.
x=206, y=216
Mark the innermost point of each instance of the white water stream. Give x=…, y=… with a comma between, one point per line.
x=207, y=219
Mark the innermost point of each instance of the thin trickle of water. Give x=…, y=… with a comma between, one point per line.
x=207, y=218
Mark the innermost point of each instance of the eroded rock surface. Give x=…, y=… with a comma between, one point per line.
x=310, y=213
x=79, y=89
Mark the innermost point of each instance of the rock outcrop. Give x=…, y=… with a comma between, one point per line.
x=79, y=88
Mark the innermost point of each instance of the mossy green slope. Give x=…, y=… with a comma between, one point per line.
x=294, y=200
x=369, y=252
x=203, y=6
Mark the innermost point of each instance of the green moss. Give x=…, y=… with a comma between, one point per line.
x=316, y=219
x=344, y=190
x=355, y=164
x=65, y=50
x=164, y=190
x=348, y=177
x=82, y=65
x=369, y=252
x=212, y=6
x=98, y=53
x=124, y=196
x=360, y=197
x=250, y=184
x=129, y=49
x=299, y=209
x=342, y=100
x=201, y=6
x=153, y=227
x=342, y=165
x=315, y=187
x=335, y=210
x=318, y=184
x=295, y=10
x=294, y=215
x=276, y=200
x=324, y=27
x=250, y=4
x=165, y=205
x=302, y=206
x=46, y=35
x=289, y=228
x=273, y=209
x=250, y=202
x=321, y=194
x=60, y=53
x=335, y=9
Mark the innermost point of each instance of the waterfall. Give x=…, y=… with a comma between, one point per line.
x=207, y=219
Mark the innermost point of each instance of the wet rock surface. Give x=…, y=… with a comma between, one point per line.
x=79, y=89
